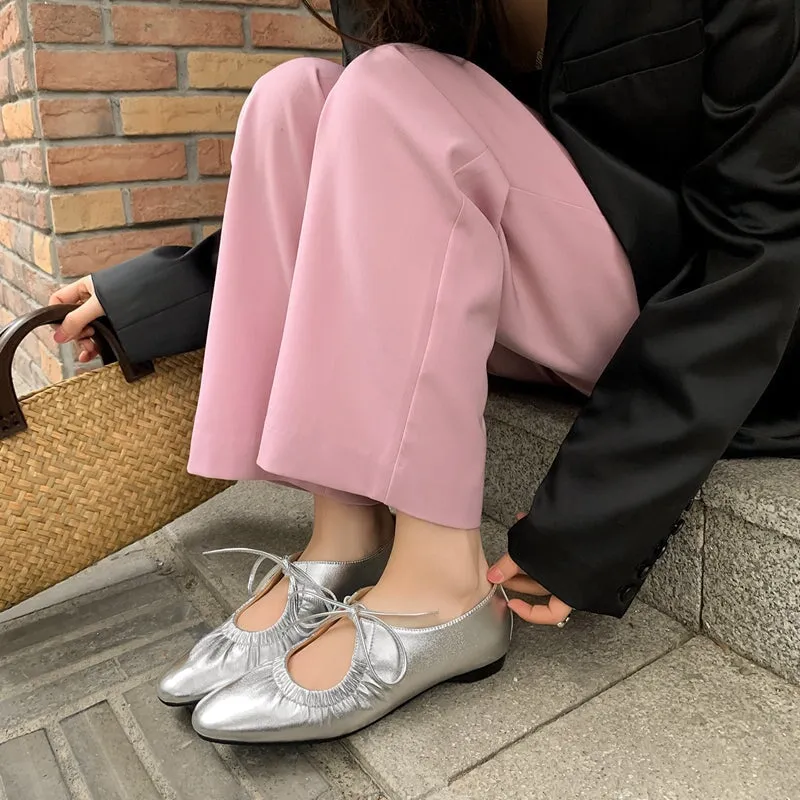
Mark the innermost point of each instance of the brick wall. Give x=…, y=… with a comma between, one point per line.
x=116, y=131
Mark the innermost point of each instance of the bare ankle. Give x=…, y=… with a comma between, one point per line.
x=347, y=532
x=432, y=569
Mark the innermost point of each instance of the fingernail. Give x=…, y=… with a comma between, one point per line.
x=495, y=576
x=59, y=337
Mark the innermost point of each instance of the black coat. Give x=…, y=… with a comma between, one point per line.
x=684, y=120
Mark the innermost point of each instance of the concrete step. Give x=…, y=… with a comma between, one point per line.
x=732, y=573
x=638, y=707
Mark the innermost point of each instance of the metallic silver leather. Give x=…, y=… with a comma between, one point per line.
x=390, y=666
x=228, y=652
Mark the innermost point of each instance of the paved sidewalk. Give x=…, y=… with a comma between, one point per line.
x=623, y=710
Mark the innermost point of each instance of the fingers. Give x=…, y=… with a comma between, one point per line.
x=87, y=347
x=525, y=585
x=88, y=354
x=73, y=293
x=503, y=570
x=74, y=326
x=553, y=613
x=75, y=322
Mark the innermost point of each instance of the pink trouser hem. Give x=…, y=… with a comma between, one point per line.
x=370, y=483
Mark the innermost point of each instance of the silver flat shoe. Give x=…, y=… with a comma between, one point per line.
x=228, y=652
x=390, y=666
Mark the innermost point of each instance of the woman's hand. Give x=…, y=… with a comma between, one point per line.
x=77, y=325
x=512, y=578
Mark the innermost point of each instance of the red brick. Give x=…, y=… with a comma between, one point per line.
x=19, y=119
x=5, y=79
x=21, y=243
x=58, y=22
x=31, y=374
x=30, y=289
x=52, y=367
x=105, y=71
x=87, y=210
x=270, y=3
x=87, y=254
x=43, y=251
x=230, y=69
x=26, y=205
x=20, y=74
x=23, y=164
x=69, y=119
x=291, y=30
x=183, y=201
x=214, y=156
x=19, y=304
x=169, y=25
x=11, y=269
x=151, y=115
x=38, y=284
x=10, y=29
x=116, y=163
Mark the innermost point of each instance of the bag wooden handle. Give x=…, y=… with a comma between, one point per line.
x=12, y=420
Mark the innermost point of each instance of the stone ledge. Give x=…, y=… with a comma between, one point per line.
x=731, y=571
x=764, y=492
x=544, y=416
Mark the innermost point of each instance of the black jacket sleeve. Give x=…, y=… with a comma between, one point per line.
x=705, y=349
x=159, y=302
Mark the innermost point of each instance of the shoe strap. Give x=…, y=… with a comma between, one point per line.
x=358, y=614
x=284, y=563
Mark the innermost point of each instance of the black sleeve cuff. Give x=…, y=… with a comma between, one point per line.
x=600, y=587
x=159, y=303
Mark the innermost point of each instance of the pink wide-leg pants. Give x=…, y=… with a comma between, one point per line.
x=390, y=228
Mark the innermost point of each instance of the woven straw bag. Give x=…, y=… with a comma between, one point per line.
x=92, y=464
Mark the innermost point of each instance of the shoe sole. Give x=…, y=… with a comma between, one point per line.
x=178, y=705
x=474, y=676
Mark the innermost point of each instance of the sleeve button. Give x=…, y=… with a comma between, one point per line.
x=627, y=593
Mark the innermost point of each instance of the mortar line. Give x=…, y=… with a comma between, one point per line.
x=183, y=566
x=133, y=733
x=369, y=772
x=72, y=604
x=307, y=752
x=227, y=755
x=68, y=764
x=97, y=627
x=704, y=511
x=110, y=656
x=75, y=603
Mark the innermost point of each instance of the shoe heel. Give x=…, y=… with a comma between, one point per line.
x=480, y=674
